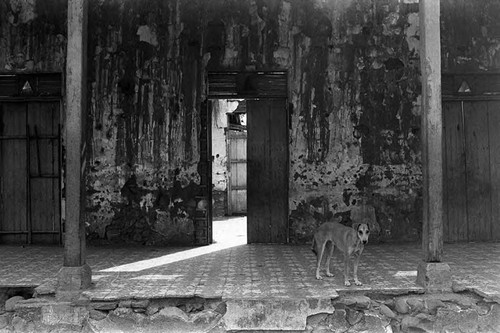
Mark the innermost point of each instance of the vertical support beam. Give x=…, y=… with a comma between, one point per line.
x=75, y=274
x=432, y=133
x=431, y=273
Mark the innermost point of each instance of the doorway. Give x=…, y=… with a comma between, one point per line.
x=249, y=168
x=257, y=173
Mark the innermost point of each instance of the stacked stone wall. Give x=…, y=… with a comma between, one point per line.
x=378, y=312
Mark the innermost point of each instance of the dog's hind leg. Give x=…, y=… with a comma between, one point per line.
x=328, y=258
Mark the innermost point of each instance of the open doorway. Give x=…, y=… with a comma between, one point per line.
x=257, y=174
x=229, y=170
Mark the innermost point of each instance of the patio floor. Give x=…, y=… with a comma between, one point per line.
x=232, y=269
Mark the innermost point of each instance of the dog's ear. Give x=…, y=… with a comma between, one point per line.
x=356, y=226
x=367, y=222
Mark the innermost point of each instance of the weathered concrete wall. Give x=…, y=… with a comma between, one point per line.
x=219, y=150
x=470, y=36
x=355, y=130
x=146, y=91
x=32, y=35
x=219, y=153
x=354, y=84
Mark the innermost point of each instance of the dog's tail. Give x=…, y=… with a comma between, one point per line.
x=313, y=247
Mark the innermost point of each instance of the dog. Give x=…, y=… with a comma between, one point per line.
x=350, y=241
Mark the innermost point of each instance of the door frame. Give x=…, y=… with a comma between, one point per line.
x=245, y=85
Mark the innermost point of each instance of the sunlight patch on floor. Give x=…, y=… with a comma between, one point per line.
x=227, y=233
x=405, y=273
x=157, y=277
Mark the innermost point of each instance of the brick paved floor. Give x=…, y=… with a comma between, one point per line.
x=232, y=269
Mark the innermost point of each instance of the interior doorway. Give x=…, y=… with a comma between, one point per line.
x=229, y=170
x=250, y=169
x=265, y=162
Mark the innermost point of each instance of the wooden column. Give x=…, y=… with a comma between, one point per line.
x=432, y=274
x=432, y=134
x=75, y=273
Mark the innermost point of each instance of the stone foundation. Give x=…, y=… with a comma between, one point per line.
x=376, y=312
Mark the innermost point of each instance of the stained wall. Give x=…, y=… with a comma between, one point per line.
x=354, y=94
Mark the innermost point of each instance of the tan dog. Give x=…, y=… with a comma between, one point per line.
x=350, y=241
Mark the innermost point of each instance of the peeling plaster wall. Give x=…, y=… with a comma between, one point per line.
x=219, y=152
x=354, y=93
x=470, y=36
x=355, y=136
x=354, y=86
x=32, y=36
x=145, y=90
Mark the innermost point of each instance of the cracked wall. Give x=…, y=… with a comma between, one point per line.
x=354, y=94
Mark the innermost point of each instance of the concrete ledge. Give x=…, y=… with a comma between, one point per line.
x=434, y=277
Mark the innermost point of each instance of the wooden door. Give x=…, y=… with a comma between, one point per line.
x=267, y=165
x=13, y=174
x=29, y=173
x=44, y=169
x=494, y=142
x=237, y=171
x=472, y=175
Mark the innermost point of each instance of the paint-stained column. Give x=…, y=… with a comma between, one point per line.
x=432, y=273
x=75, y=274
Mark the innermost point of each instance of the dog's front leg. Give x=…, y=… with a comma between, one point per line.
x=355, y=270
x=318, y=260
x=346, y=270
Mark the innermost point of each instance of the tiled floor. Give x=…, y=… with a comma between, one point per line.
x=231, y=269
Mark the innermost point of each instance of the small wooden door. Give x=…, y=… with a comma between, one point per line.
x=267, y=171
x=29, y=172
x=237, y=171
x=472, y=170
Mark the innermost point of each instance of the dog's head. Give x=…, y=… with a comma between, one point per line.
x=363, y=232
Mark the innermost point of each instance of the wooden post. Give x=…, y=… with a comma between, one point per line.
x=432, y=133
x=432, y=274
x=75, y=274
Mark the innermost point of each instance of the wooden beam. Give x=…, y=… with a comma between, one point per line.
x=432, y=134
